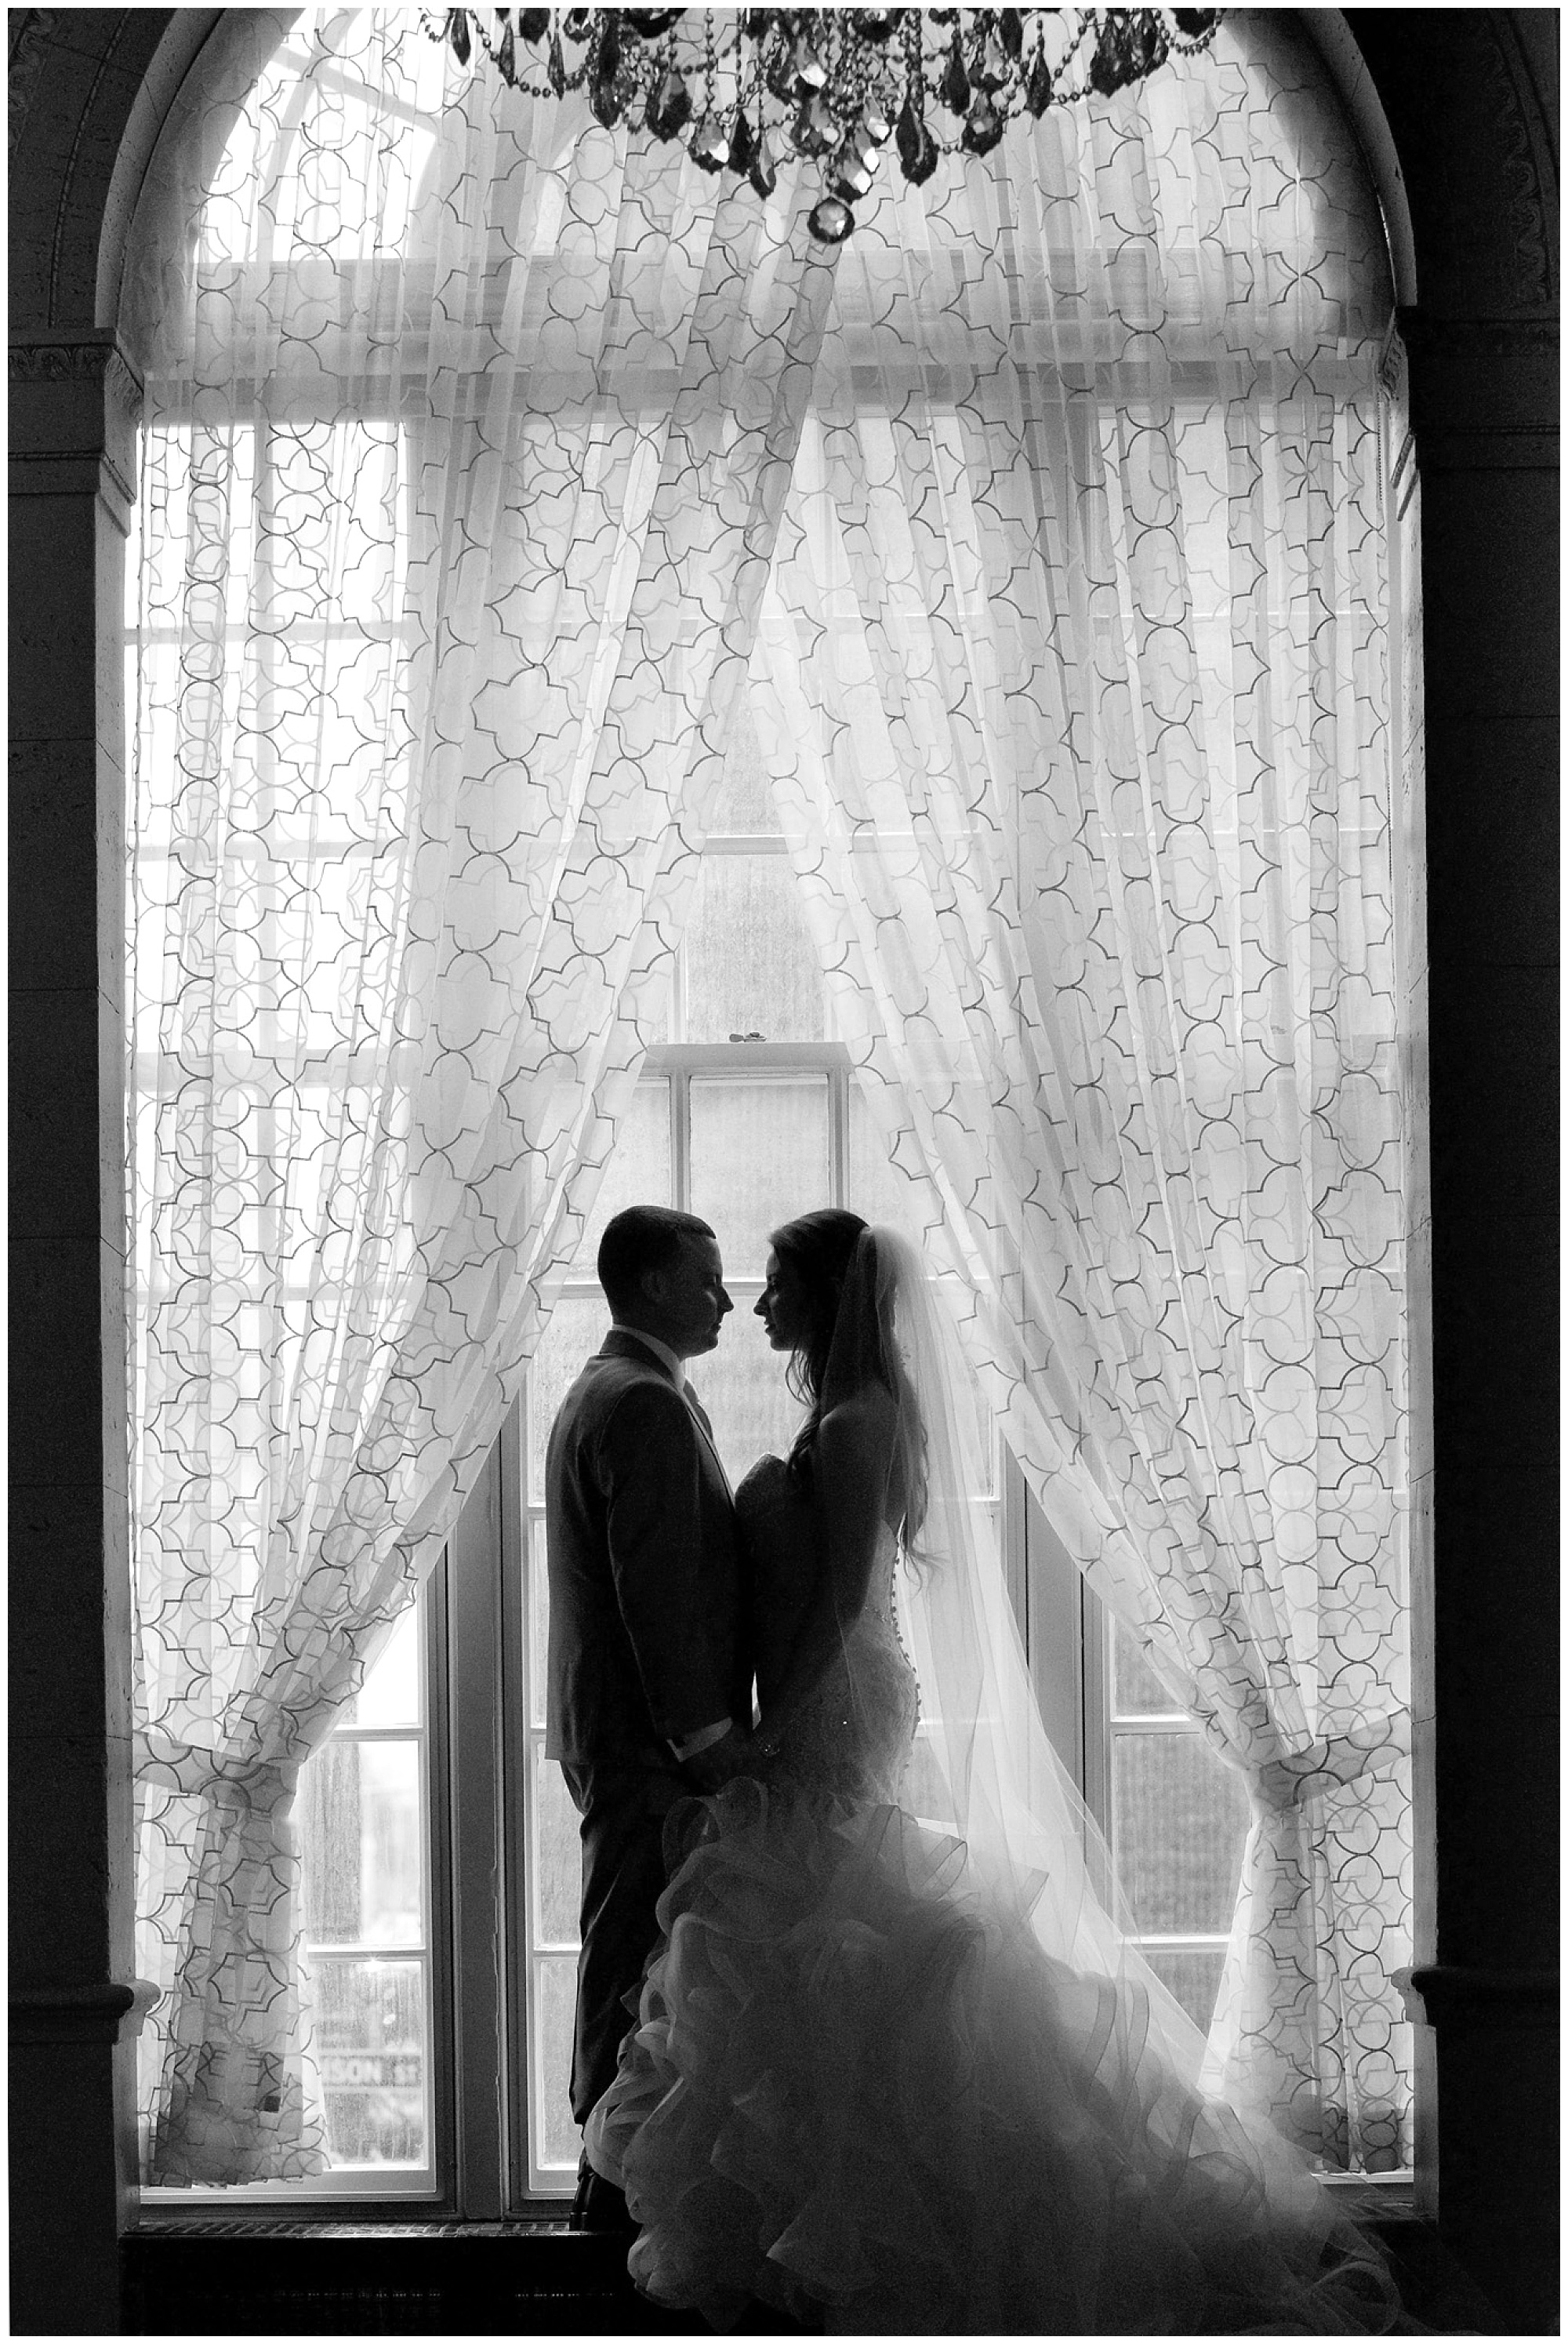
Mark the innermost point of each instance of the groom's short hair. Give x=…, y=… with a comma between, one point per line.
x=643, y=1237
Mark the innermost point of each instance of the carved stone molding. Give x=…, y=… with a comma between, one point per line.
x=1531, y=204
x=81, y=2014
x=30, y=32
x=1487, y=380
x=75, y=401
x=1482, y=44
x=97, y=359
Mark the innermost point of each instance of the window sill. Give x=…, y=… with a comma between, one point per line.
x=290, y=2277
x=392, y=2222
x=417, y=2274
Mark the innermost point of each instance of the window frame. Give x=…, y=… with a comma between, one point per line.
x=484, y=1751
x=383, y=2189
x=535, y=2184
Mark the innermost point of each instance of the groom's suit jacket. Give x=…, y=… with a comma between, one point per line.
x=646, y=1637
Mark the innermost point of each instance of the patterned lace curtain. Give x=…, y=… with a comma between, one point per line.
x=1072, y=685
x=468, y=431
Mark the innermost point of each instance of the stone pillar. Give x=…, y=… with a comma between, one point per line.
x=73, y=2004
x=1484, y=396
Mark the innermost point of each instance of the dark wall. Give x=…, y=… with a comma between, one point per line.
x=1469, y=95
x=1470, y=100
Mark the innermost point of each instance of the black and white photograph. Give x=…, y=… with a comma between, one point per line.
x=783, y=1212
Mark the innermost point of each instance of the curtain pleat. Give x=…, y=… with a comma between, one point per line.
x=464, y=461
x=1071, y=687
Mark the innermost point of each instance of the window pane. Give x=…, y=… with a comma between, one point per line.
x=558, y=2137
x=878, y=1189
x=1136, y=1690
x=1193, y=1976
x=758, y=1157
x=556, y=1858
x=390, y=1693
x=361, y=1844
x=370, y=2041
x=745, y=802
x=1178, y=1820
x=751, y=967
x=577, y=1327
x=638, y=1172
x=741, y=1384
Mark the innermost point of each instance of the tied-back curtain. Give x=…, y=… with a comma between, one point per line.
x=469, y=428
x=1072, y=687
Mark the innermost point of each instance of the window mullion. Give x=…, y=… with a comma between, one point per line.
x=517, y=1702
x=481, y=2049
x=681, y=1136
x=1095, y=1645
x=838, y=1131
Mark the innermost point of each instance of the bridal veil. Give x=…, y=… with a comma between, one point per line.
x=986, y=1772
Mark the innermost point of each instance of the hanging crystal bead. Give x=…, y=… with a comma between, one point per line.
x=984, y=126
x=1111, y=68
x=764, y=172
x=708, y=144
x=1038, y=90
x=814, y=130
x=670, y=107
x=954, y=88
x=742, y=146
x=992, y=70
x=831, y=221
x=806, y=67
x=917, y=148
x=853, y=178
x=603, y=96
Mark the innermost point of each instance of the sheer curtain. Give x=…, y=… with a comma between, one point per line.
x=468, y=428
x=1072, y=679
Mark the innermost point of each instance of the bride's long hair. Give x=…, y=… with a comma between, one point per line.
x=824, y=1248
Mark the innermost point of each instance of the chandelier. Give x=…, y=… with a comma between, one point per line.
x=748, y=89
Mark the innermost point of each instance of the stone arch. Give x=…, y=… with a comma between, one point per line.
x=1467, y=96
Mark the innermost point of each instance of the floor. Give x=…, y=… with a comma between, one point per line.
x=360, y=2279
x=344, y=2278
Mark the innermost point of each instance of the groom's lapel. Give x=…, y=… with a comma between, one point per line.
x=701, y=1413
x=621, y=1343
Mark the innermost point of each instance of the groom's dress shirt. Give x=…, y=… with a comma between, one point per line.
x=672, y=1359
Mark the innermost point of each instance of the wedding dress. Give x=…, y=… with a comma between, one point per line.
x=863, y=2089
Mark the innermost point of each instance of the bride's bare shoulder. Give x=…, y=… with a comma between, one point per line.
x=866, y=1421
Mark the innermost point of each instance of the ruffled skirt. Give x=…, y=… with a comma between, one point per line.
x=859, y=2092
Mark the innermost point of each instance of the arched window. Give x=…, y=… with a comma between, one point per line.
x=573, y=611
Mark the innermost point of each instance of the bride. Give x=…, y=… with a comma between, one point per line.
x=897, y=2068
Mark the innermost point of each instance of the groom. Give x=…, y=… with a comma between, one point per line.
x=649, y=1682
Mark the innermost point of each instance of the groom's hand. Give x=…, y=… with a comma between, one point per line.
x=711, y=1769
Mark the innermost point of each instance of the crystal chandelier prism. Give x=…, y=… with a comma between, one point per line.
x=747, y=89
